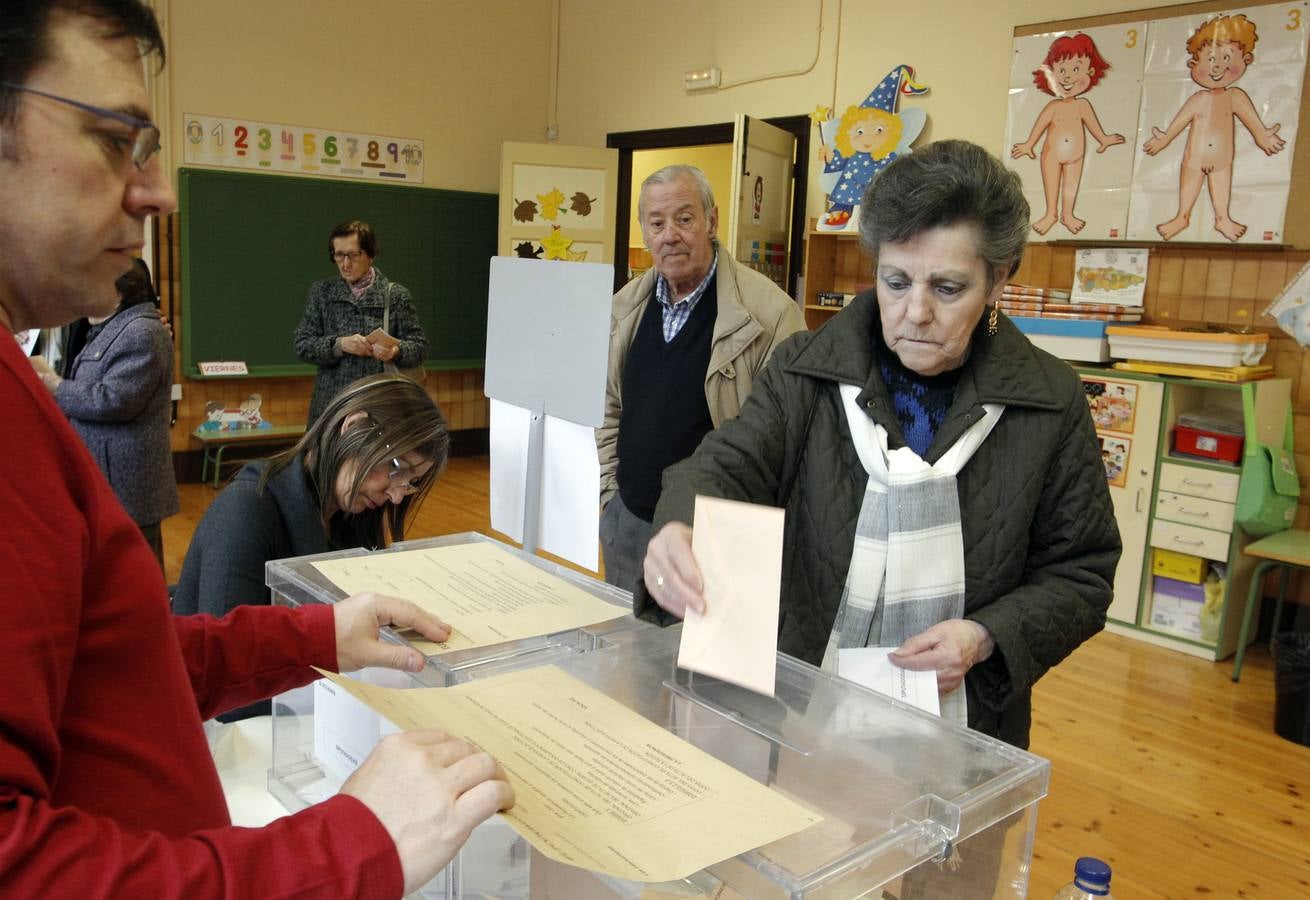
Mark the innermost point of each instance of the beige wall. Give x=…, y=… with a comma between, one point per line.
x=462, y=77
x=715, y=160
x=617, y=75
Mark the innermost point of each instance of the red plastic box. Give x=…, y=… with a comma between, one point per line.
x=1209, y=444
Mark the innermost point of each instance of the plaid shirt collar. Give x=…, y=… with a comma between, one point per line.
x=664, y=294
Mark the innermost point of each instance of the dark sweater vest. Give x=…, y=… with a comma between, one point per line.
x=665, y=414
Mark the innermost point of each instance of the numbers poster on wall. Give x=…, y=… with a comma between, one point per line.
x=266, y=146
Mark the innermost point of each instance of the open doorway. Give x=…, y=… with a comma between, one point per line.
x=715, y=160
x=708, y=143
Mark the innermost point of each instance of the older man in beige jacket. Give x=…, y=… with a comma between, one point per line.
x=687, y=339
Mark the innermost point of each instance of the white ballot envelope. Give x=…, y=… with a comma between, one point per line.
x=738, y=547
x=870, y=667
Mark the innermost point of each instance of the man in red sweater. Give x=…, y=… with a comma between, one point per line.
x=106, y=782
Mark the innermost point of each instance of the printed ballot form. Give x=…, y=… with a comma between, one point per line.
x=597, y=785
x=870, y=667
x=483, y=593
x=738, y=548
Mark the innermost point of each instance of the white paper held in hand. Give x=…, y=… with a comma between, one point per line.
x=738, y=547
x=870, y=667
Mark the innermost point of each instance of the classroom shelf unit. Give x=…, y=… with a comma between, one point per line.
x=833, y=262
x=1180, y=504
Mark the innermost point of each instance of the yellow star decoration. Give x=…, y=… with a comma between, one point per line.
x=550, y=204
x=821, y=114
x=556, y=244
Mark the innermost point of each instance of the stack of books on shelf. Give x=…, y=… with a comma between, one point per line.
x=1070, y=330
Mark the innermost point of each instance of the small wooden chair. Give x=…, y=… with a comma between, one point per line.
x=1287, y=549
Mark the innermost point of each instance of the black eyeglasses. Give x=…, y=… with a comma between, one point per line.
x=145, y=134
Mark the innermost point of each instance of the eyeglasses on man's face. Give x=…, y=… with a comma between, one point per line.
x=342, y=255
x=144, y=141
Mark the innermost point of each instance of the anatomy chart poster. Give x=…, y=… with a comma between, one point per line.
x=1217, y=125
x=1072, y=125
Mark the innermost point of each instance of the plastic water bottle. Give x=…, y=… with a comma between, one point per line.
x=1091, y=881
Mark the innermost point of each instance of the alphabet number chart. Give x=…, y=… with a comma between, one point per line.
x=325, y=152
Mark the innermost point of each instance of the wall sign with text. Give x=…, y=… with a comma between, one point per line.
x=246, y=144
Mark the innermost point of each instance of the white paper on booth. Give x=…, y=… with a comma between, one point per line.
x=509, y=467
x=570, y=488
x=738, y=547
x=870, y=667
x=570, y=499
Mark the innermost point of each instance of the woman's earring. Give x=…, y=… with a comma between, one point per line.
x=991, y=321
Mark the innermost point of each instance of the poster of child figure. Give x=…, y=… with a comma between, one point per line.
x=1072, y=120
x=1221, y=95
x=1114, y=456
x=1113, y=404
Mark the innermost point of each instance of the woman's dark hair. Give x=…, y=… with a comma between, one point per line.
x=948, y=183
x=368, y=241
x=399, y=418
x=134, y=286
x=25, y=38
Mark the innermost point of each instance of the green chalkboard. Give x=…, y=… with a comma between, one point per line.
x=252, y=244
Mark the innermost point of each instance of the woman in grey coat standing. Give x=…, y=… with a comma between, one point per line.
x=117, y=399
x=341, y=312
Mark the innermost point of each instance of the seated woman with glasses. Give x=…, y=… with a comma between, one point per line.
x=351, y=481
x=341, y=313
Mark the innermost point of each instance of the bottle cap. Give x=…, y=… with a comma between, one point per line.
x=1092, y=874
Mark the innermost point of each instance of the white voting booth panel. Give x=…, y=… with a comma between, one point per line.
x=912, y=806
x=547, y=355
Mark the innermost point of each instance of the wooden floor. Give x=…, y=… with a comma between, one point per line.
x=1160, y=764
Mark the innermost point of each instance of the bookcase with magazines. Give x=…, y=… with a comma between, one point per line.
x=835, y=270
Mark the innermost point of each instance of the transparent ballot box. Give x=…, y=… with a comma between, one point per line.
x=912, y=806
x=320, y=734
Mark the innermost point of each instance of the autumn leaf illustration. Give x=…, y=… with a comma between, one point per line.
x=582, y=204
x=556, y=244
x=525, y=250
x=580, y=256
x=524, y=210
x=551, y=203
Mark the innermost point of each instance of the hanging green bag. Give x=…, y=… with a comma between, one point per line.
x=1268, y=492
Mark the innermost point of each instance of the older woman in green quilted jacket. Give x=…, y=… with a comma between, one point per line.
x=941, y=475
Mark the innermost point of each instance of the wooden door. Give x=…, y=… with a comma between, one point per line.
x=762, y=175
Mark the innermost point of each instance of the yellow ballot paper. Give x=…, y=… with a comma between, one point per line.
x=596, y=785
x=378, y=336
x=738, y=547
x=483, y=593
